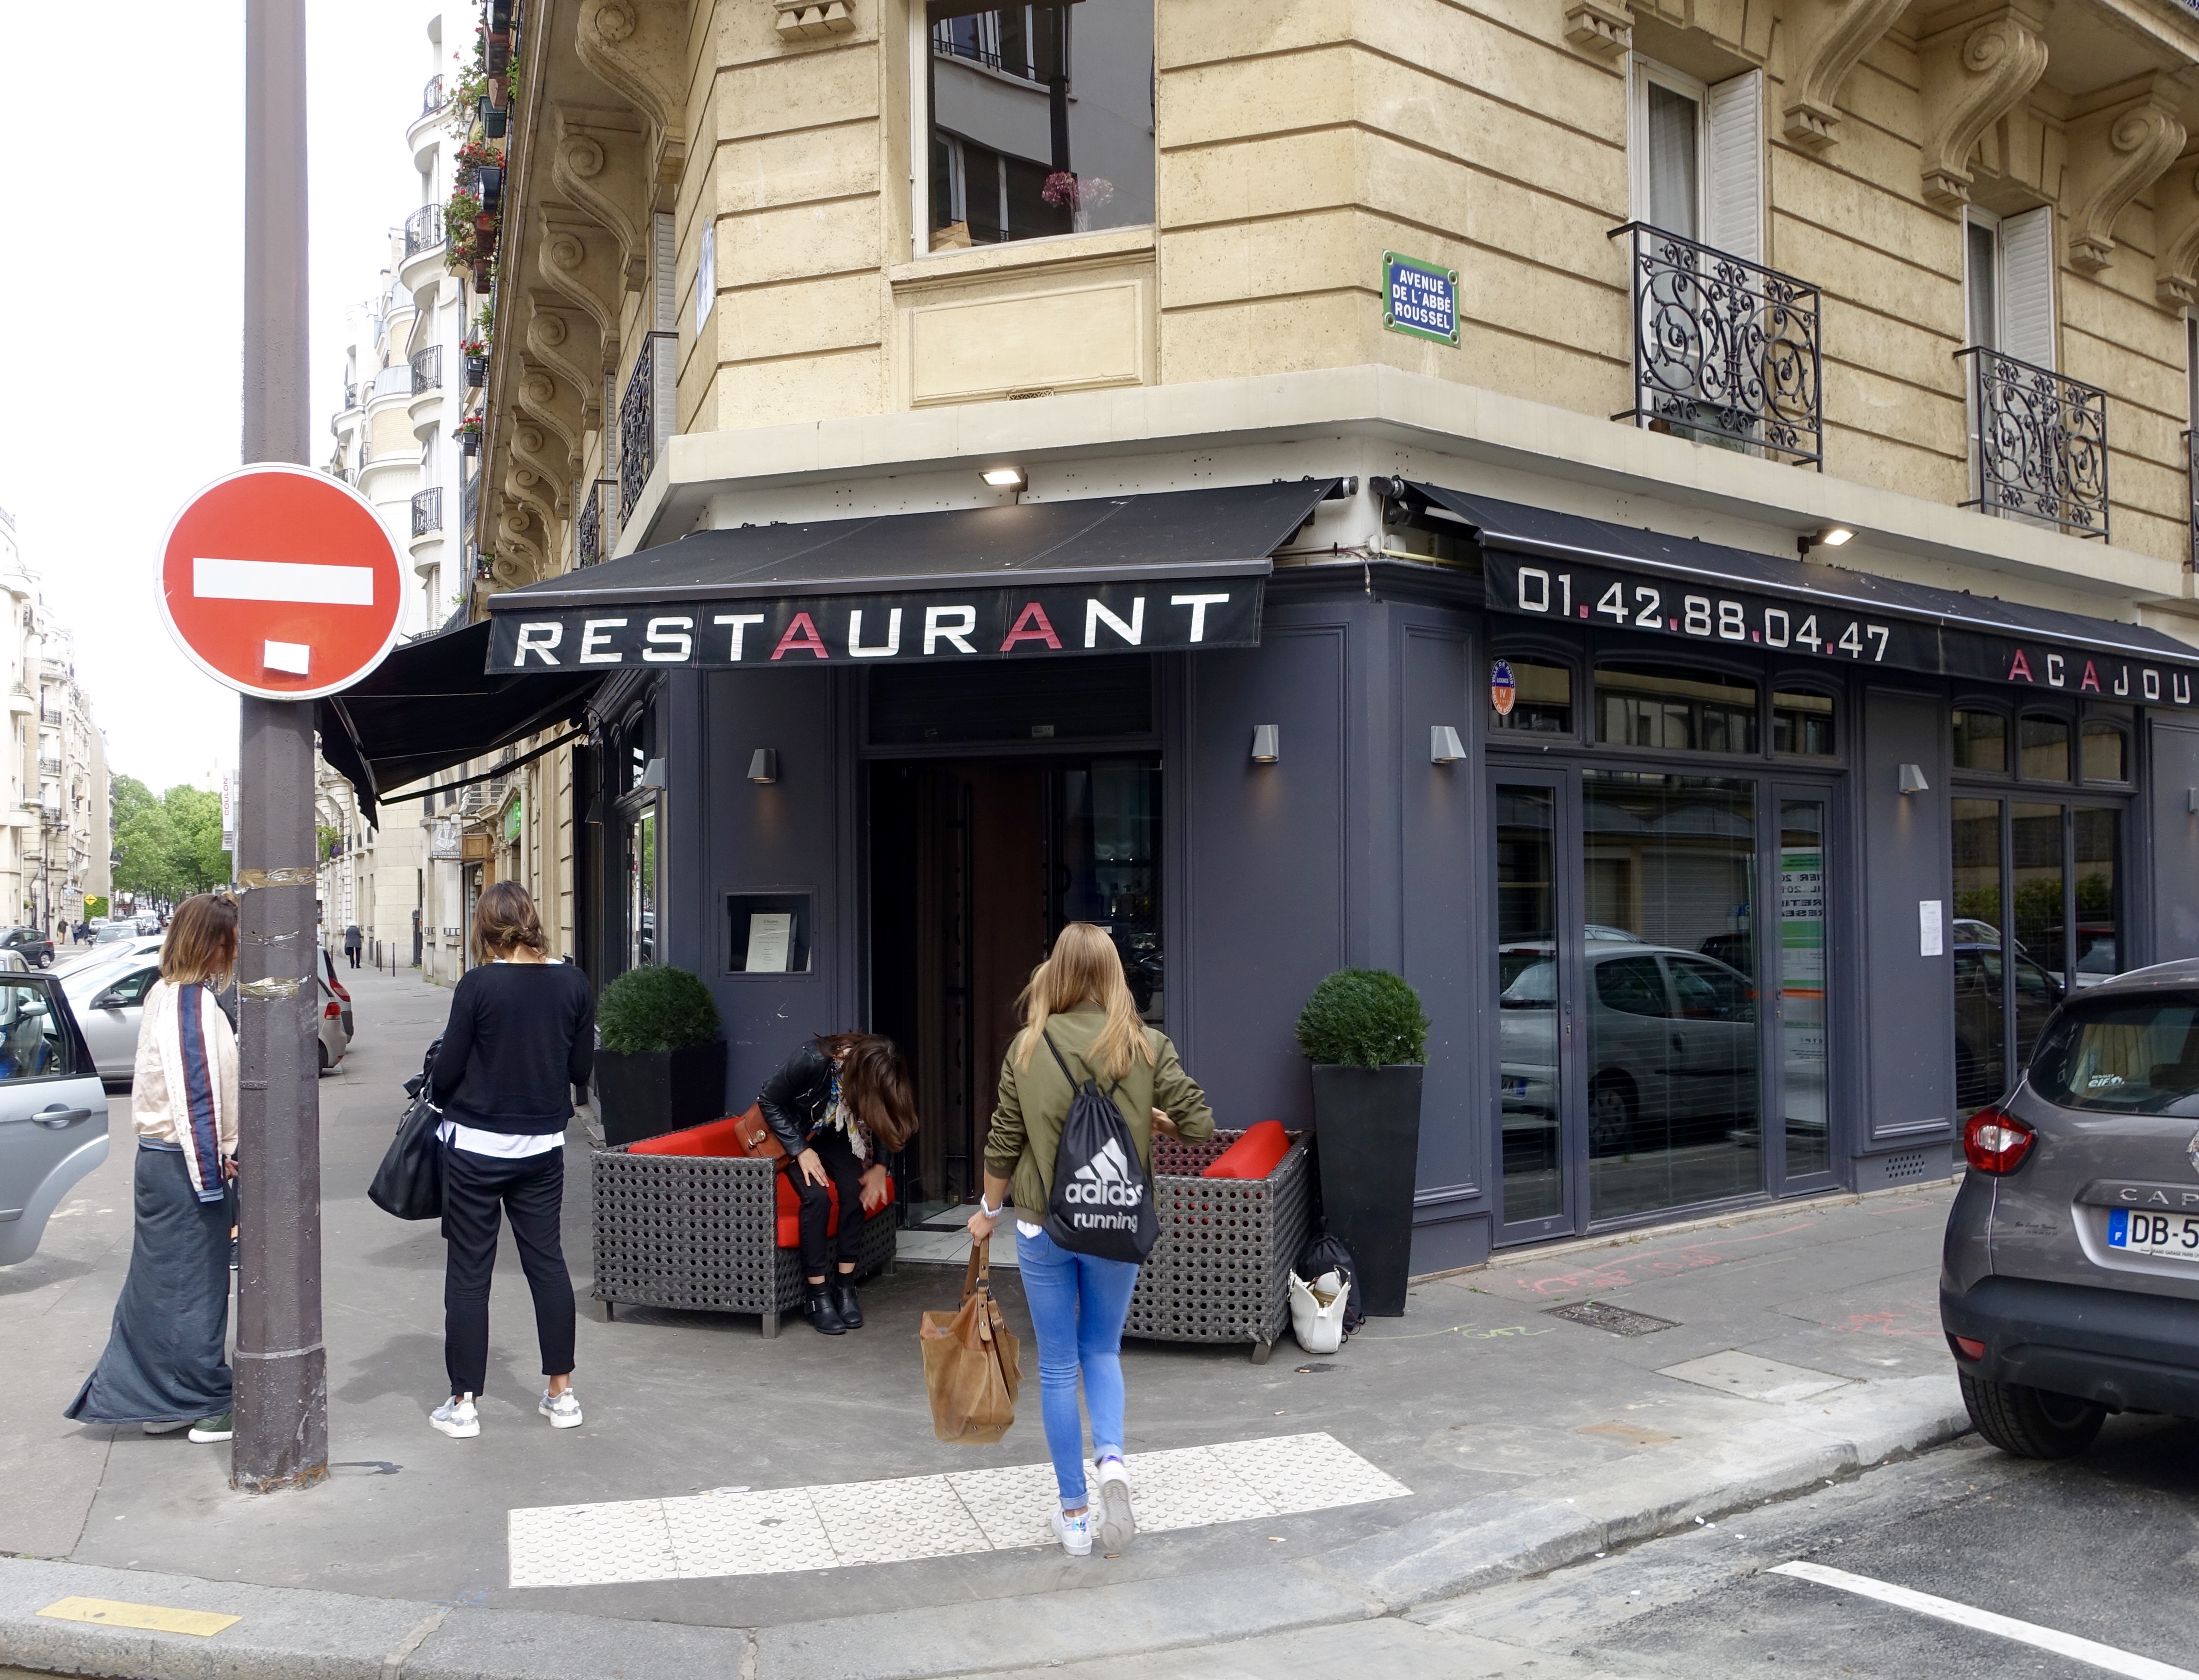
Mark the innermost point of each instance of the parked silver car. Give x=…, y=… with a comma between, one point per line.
x=108, y=1000
x=53, y=1110
x=2070, y=1279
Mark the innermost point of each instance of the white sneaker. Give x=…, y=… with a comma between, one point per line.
x=1118, y=1523
x=1074, y=1533
x=562, y=1410
x=457, y=1418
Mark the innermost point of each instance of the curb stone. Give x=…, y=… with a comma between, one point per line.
x=297, y=1634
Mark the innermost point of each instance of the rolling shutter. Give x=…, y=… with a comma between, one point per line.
x=1735, y=119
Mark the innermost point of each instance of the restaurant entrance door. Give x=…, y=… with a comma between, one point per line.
x=975, y=866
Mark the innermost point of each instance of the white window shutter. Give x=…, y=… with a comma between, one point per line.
x=2026, y=286
x=1735, y=221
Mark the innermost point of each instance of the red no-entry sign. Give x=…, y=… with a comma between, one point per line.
x=281, y=582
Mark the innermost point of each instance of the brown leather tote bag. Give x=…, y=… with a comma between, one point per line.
x=971, y=1368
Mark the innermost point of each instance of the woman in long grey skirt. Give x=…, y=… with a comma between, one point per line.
x=166, y=1364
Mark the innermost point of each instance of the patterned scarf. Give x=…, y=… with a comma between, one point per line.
x=837, y=1114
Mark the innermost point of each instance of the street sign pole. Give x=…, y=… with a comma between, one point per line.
x=281, y=1368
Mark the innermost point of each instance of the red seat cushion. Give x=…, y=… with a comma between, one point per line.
x=1254, y=1155
x=790, y=1210
x=713, y=1137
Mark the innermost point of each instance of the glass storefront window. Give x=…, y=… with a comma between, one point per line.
x=1528, y=1072
x=1543, y=699
x=2105, y=751
x=1802, y=1022
x=1802, y=725
x=1674, y=1097
x=1981, y=742
x=1981, y=1023
x=2045, y=748
x=2097, y=840
x=1041, y=120
x=1105, y=847
x=641, y=887
x=2036, y=833
x=1651, y=706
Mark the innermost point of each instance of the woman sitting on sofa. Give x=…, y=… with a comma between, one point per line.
x=835, y=1105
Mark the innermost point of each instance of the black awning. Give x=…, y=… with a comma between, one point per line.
x=429, y=706
x=1541, y=565
x=1168, y=570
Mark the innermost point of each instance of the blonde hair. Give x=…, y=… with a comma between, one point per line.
x=505, y=919
x=1084, y=968
x=202, y=942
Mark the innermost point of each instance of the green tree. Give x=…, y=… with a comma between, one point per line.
x=169, y=847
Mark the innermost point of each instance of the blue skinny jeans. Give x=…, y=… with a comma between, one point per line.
x=1077, y=1306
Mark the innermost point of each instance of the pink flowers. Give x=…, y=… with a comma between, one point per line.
x=1064, y=188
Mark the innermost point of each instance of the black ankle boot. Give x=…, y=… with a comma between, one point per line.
x=844, y=1297
x=817, y=1306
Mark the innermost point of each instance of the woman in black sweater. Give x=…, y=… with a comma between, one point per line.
x=521, y=1035
x=835, y=1105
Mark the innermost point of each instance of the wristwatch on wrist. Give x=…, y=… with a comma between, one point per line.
x=992, y=1212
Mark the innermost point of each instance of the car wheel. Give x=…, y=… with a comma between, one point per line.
x=323, y=1051
x=2030, y=1422
x=1610, y=1114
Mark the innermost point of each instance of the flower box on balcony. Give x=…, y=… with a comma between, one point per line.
x=492, y=119
x=498, y=57
x=469, y=443
x=477, y=371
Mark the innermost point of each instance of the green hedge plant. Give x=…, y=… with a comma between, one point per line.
x=655, y=1008
x=1363, y=1017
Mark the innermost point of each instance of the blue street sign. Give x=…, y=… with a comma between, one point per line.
x=1420, y=299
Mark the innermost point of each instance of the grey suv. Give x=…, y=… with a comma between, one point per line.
x=2070, y=1287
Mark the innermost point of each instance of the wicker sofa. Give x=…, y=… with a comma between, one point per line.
x=1220, y=1271
x=701, y=1233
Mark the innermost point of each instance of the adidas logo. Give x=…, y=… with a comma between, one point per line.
x=1107, y=1180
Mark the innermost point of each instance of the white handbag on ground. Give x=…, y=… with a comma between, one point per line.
x=1317, y=1311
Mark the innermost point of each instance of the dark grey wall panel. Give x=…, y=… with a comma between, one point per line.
x=1908, y=1024
x=2173, y=772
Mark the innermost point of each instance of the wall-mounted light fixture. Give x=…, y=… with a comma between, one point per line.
x=1831, y=536
x=1005, y=478
x=1444, y=746
x=2191, y=799
x=763, y=765
x=652, y=775
x=1267, y=743
x=1912, y=779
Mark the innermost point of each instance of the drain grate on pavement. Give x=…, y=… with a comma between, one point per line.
x=1620, y=1320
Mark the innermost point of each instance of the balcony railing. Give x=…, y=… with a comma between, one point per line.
x=423, y=230
x=469, y=503
x=644, y=416
x=431, y=97
x=428, y=511
x=428, y=369
x=2038, y=444
x=1726, y=351
x=351, y=397
x=597, y=529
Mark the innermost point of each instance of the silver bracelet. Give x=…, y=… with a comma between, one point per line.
x=992, y=1212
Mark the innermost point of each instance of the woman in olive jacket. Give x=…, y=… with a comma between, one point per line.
x=1078, y=1000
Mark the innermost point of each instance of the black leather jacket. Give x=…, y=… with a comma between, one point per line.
x=795, y=1099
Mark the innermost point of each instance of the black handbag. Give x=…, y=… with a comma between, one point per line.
x=409, y=1182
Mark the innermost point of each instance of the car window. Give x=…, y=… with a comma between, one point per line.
x=132, y=988
x=1709, y=992
x=2032, y=982
x=1533, y=986
x=1632, y=985
x=32, y=1044
x=2130, y=1056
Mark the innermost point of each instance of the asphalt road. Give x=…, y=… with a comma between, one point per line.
x=2103, y=1547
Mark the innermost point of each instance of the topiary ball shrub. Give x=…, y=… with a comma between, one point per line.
x=655, y=1008
x=1363, y=1017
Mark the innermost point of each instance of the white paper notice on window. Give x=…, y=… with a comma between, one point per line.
x=770, y=941
x=1931, y=929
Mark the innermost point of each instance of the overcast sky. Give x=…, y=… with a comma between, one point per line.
x=122, y=289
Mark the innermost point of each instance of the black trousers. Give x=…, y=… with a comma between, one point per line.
x=477, y=1189
x=845, y=1171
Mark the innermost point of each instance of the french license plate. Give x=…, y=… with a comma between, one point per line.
x=2175, y=1234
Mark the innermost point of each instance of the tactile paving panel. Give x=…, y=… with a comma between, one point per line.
x=773, y=1530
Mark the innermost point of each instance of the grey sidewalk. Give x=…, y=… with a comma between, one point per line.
x=1525, y=1439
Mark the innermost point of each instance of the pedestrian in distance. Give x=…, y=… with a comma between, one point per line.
x=165, y=1366
x=520, y=1035
x=1078, y=1011
x=353, y=940
x=833, y=1106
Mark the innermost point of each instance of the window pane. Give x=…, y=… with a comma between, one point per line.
x=1041, y=120
x=2041, y=937
x=1674, y=173
x=2123, y=1057
x=1983, y=251
x=1981, y=742
x=1981, y=1012
x=2045, y=748
x=1543, y=699
x=1649, y=706
x=2106, y=752
x=31, y=1044
x=2099, y=843
x=1674, y=1092
x=1802, y=724
x=1527, y=1081
x=1802, y=985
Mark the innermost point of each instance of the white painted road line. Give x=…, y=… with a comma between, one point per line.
x=2027, y=1633
x=282, y=581
x=773, y=1530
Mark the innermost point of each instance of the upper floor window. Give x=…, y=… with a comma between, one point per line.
x=1038, y=119
x=1695, y=157
x=2007, y=284
x=1654, y=706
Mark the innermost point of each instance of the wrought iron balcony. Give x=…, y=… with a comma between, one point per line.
x=597, y=529
x=431, y=97
x=428, y=369
x=644, y=416
x=2038, y=444
x=351, y=397
x=1726, y=352
x=423, y=230
x=469, y=504
x=428, y=511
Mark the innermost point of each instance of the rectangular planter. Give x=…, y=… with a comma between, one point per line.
x=1220, y=1271
x=1368, y=1124
x=645, y=1094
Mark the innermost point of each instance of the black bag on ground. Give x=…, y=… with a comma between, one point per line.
x=1101, y=1203
x=409, y=1182
x=1326, y=1253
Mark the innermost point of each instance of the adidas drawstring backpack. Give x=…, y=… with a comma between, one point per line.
x=1101, y=1205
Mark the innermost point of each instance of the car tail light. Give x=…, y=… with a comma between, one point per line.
x=333, y=1011
x=337, y=987
x=1967, y=1347
x=1997, y=1143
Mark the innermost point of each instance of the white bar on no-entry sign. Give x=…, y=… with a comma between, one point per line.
x=282, y=581
x=293, y=658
